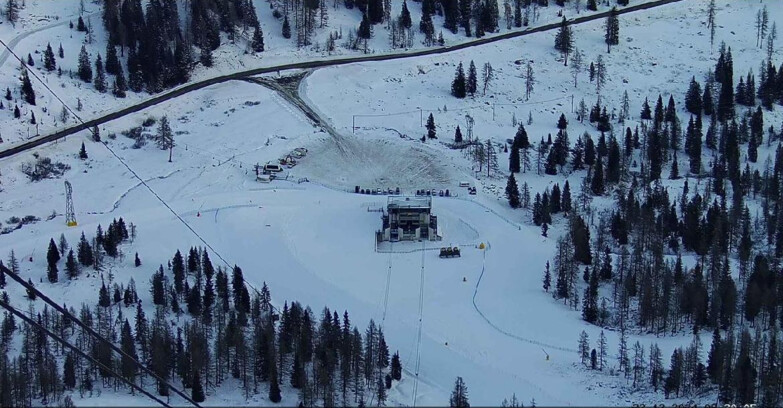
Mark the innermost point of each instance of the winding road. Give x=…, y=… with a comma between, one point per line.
x=14, y=41
x=308, y=65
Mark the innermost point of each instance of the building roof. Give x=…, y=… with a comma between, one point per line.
x=400, y=202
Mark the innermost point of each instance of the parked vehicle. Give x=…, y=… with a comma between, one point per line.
x=464, y=184
x=449, y=252
x=272, y=168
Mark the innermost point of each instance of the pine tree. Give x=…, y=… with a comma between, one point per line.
x=405, y=15
x=592, y=5
x=612, y=35
x=120, y=85
x=286, y=27
x=459, y=395
x=258, y=40
x=84, y=69
x=28, y=93
x=459, y=86
x=60, y=52
x=564, y=41
x=69, y=372
x=112, y=65
x=547, y=281
x=472, y=82
x=100, y=76
x=49, y=62
x=205, y=57
x=71, y=267
x=465, y=9
x=514, y=160
x=457, y=136
x=431, y=127
x=512, y=192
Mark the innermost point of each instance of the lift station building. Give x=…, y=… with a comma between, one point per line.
x=408, y=219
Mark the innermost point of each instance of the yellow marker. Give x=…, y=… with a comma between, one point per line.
x=71, y=224
x=481, y=246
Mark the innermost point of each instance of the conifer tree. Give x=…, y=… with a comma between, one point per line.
x=120, y=84
x=431, y=127
x=286, y=27
x=693, y=98
x=112, y=65
x=458, y=86
x=465, y=9
x=71, y=267
x=84, y=69
x=28, y=94
x=459, y=395
x=405, y=15
x=457, y=135
x=49, y=62
x=258, y=40
x=514, y=160
x=612, y=35
x=564, y=41
x=512, y=192
x=547, y=281
x=472, y=82
x=592, y=5
x=100, y=76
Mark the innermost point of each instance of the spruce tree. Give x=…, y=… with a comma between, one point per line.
x=286, y=27
x=100, y=75
x=512, y=192
x=84, y=69
x=120, y=85
x=514, y=160
x=258, y=40
x=612, y=35
x=112, y=62
x=693, y=101
x=465, y=13
x=564, y=41
x=49, y=62
x=472, y=82
x=28, y=93
x=71, y=267
x=459, y=395
x=458, y=86
x=405, y=15
x=431, y=127
x=457, y=136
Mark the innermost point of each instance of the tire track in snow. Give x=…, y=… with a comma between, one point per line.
x=116, y=203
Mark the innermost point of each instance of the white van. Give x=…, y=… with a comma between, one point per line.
x=464, y=184
x=264, y=178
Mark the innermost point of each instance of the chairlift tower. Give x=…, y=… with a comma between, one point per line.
x=70, y=214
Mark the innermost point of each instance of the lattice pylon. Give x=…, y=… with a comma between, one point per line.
x=70, y=214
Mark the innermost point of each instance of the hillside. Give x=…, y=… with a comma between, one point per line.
x=629, y=259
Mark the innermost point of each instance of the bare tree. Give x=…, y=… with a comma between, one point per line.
x=487, y=74
x=711, y=21
x=576, y=65
x=600, y=74
x=530, y=80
